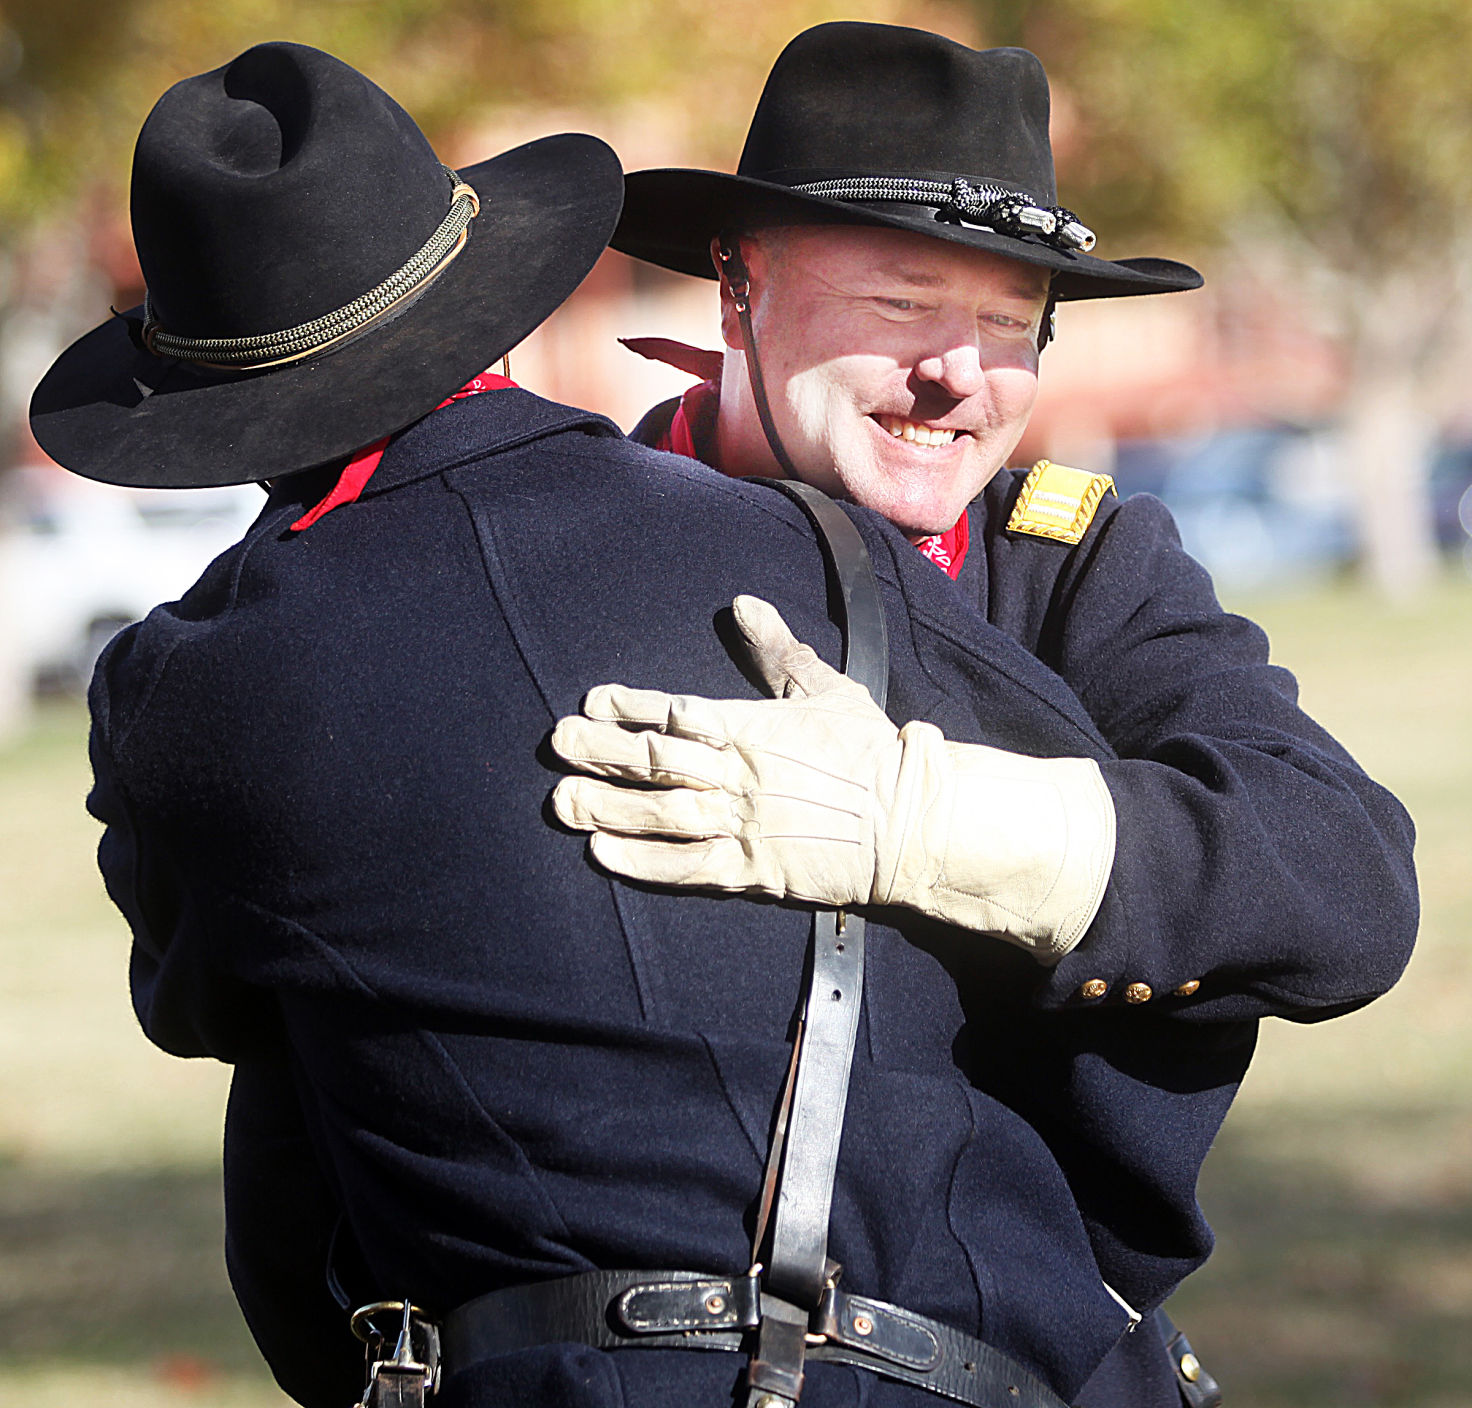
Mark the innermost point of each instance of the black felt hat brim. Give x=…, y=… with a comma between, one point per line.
x=112, y=412
x=671, y=214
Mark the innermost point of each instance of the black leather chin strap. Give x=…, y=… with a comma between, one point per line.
x=738, y=280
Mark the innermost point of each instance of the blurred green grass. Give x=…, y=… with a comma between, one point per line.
x=1340, y=1188
x=112, y=1277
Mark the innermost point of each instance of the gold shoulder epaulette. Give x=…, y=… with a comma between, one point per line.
x=1058, y=502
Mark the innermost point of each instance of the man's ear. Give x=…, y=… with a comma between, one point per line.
x=1048, y=324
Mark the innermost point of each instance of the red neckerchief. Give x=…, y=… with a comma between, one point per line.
x=359, y=470
x=692, y=432
x=947, y=550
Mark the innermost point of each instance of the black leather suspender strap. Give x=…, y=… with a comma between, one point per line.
x=796, y=1257
x=696, y=1311
x=790, y=1249
x=865, y=636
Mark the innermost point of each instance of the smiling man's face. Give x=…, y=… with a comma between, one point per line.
x=901, y=370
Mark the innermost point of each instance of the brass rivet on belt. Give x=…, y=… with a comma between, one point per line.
x=715, y=1304
x=1190, y=1368
x=863, y=1325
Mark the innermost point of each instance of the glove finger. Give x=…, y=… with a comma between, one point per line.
x=691, y=715
x=788, y=667
x=719, y=863
x=587, y=805
x=621, y=704
x=642, y=755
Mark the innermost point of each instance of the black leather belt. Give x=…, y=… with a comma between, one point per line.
x=688, y=1310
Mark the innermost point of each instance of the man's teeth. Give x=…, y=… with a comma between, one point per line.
x=903, y=429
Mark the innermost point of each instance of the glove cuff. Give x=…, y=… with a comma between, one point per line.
x=1018, y=847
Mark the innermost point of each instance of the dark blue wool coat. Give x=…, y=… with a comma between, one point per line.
x=324, y=778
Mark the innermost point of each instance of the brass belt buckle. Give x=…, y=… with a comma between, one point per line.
x=412, y=1370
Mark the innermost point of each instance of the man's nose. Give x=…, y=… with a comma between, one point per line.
x=955, y=367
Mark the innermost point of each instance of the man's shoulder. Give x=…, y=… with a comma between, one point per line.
x=1052, y=519
x=1050, y=536
x=483, y=427
x=1047, y=502
x=623, y=482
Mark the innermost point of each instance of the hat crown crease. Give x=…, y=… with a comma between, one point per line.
x=274, y=191
x=885, y=98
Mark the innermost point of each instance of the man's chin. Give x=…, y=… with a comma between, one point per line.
x=924, y=516
x=919, y=522
x=882, y=491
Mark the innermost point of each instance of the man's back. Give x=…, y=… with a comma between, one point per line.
x=514, y=1068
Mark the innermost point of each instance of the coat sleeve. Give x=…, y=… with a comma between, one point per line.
x=185, y=1001
x=282, y=1226
x=280, y=1209
x=1258, y=870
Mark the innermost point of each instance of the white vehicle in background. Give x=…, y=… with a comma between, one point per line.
x=82, y=560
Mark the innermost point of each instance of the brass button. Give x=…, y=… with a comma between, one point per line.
x=1138, y=992
x=1094, y=989
x=1187, y=989
x=1190, y=1368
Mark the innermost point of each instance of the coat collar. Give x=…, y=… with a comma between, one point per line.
x=474, y=429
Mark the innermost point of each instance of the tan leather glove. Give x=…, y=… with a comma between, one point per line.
x=815, y=795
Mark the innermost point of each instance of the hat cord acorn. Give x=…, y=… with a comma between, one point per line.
x=993, y=207
x=295, y=344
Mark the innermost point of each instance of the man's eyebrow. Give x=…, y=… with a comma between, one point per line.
x=1029, y=288
x=926, y=278
x=918, y=278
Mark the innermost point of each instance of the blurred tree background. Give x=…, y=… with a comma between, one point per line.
x=1326, y=142
x=1330, y=141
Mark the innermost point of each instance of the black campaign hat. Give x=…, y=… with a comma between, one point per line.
x=868, y=124
x=316, y=278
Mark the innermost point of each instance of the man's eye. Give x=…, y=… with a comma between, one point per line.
x=1006, y=323
x=900, y=305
